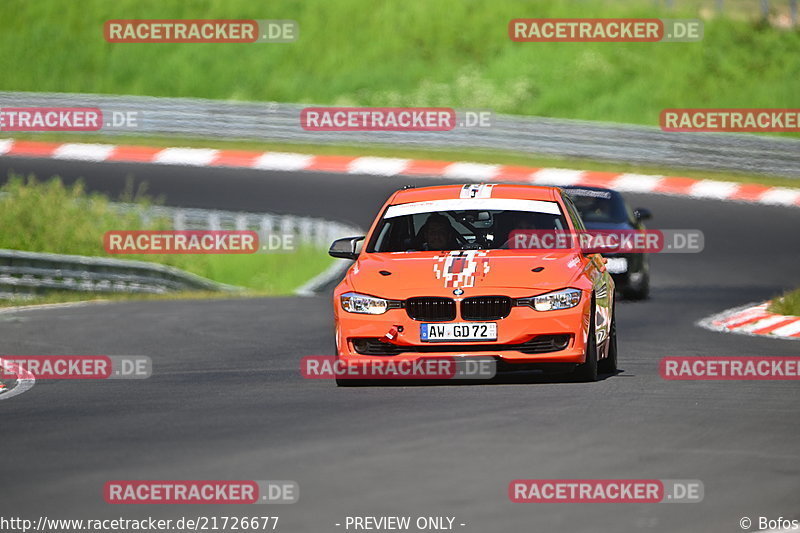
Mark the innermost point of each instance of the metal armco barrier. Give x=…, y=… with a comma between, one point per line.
x=37, y=273
x=213, y=119
x=29, y=273
x=307, y=231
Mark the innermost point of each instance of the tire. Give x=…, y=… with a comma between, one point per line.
x=587, y=371
x=642, y=292
x=609, y=364
x=343, y=382
x=340, y=382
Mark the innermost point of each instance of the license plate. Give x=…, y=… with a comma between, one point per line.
x=459, y=331
x=617, y=265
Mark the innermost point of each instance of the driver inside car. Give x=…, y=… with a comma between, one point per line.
x=437, y=234
x=521, y=224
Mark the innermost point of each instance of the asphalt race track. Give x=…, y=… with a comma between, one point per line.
x=226, y=399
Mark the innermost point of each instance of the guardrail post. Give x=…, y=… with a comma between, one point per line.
x=287, y=226
x=214, y=222
x=241, y=222
x=179, y=220
x=306, y=231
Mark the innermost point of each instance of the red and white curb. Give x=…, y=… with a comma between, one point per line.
x=754, y=319
x=386, y=166
x=25, y=380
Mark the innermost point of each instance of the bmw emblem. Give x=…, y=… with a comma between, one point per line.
x=458, y=292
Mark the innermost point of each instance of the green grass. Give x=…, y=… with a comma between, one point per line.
x=788, y=304
x=51, y=217
x=409, y=52
x=74, y=296
x=473, y=155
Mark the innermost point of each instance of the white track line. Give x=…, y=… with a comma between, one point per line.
x=780, y=196
x=557, y=176
x=283, y=161
x=5, y=145
x=713, y=189
x=186, y=156
x=471, y=171
x=328, y=275
x=6, y=310
x=84, y=152
x=636, y=183
x=379, y=166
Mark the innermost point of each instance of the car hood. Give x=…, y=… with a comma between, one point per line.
x=609, y=225
x=402, y=275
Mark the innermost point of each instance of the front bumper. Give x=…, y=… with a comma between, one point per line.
x=523, y=330
x=634, y=272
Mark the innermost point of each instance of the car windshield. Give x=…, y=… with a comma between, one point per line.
x=479, y=229
x=599, y=206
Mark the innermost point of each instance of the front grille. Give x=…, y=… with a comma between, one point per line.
x=431, y=309
x=538, y=344
x=485, y=307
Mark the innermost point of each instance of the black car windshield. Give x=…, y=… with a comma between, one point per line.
x=599, y=205
x=459, y=229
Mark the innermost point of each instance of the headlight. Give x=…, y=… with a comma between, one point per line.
x=552, y=301
x=352, y=302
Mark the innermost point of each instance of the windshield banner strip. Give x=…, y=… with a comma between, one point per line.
x=470, y=204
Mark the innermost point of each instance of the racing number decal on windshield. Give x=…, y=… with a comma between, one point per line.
x=461, y=268
x=475, y=190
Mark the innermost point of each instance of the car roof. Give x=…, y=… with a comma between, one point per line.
x=494, y=190
x=568, y=188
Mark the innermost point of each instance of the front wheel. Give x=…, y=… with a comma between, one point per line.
x=587, y=371
x=609, y=364
x=640, y=292
x=344, y=382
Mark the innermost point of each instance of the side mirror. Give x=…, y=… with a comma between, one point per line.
x=642, y=213
x=345, y=248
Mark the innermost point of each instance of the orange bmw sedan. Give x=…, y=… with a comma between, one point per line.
x=439, y=275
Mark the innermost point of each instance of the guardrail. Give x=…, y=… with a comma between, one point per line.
x=200, y=118
x=307, y=231
x=29, y=273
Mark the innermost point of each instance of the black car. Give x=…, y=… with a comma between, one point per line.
x=605, y=209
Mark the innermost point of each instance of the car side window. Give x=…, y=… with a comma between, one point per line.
x=632, y=220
